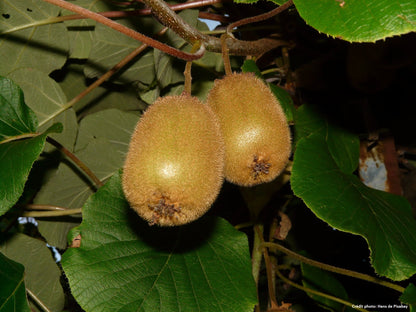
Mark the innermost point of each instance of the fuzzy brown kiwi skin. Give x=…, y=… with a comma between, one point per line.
x=174, y=167
x=255, y=130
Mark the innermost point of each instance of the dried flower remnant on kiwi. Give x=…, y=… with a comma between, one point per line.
x=174, y=167
x=254, y=126
x=163, y=209
x=260, y=167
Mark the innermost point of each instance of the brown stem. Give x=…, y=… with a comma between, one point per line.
x=76, y=160
x=144, y=12
x=236, y=47
x=272, y=296
x=128, y=31
x=226, y=55
x=187, y=73
x=214, y=17
x=316, y=292
x=261, y=17
x=332, y=268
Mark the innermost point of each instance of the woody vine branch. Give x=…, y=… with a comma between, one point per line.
x=166, y=15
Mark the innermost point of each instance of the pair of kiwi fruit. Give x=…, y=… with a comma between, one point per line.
x=182, y=149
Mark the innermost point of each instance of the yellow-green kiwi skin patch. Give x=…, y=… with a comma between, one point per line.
x=173, y=170
x=254, y=126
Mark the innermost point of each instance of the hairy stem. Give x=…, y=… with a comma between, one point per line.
x=237, y=47
x=226, y=55
x=188, y=74
x=261, y=17
x=315, y=292
x=334, y=269
x=77, y=161
x=128, y=31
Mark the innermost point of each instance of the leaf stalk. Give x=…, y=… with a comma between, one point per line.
x=57, y=213
x=77, y=161
x=334, y=269
x=316, y=292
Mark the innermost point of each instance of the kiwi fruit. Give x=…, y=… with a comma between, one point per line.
x=174, y=166
x=254, y=127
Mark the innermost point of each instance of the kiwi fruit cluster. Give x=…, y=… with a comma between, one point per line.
x=182, y=149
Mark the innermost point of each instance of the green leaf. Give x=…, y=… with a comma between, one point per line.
x=125, y=265
x=409, y=297
x=43, y=47
x=359, y=20
x=42, y=275
x=46, y=98
x=285, y=101
x=16, y=160
x=110, y=47
x=113, y=125
x=250, y=66
x=55, y=230
x=12, y=290
x=322, y=177
x=102, y=143
x=15, y=117
x=101, y=98
x=16, y=156
x=81, y=32
x=325, y=282
x=281, y=94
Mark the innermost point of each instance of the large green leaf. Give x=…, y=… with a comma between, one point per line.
x=102, y=142
x=15, y=117
x=16, y=160
x=42, y=275
x=125, y=265
x=81, y=32
x=46, y=98
x=359, y=20
x=73, y=83
x=110, y=47
x=17, y=156
x=12, y=290
x=42, y=47
x=322, y=176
